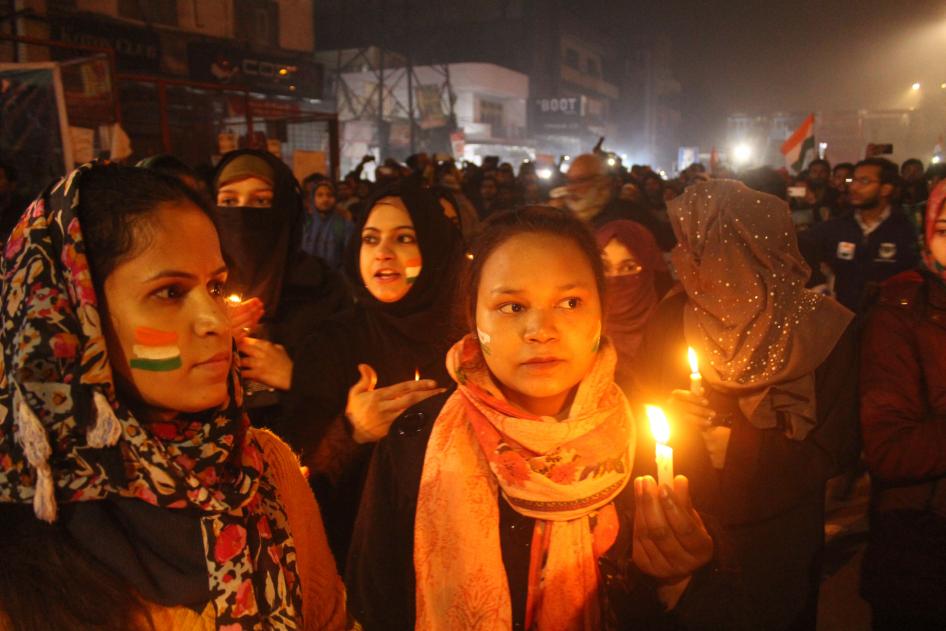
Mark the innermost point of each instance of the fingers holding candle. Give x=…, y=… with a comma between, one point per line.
x=670, y=540
x=244, y=315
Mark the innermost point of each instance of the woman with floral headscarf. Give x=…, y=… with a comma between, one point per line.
x=903, y=421
x=131, y=485
x=777, y=413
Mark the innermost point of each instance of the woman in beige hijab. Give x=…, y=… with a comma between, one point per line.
x=775, y=413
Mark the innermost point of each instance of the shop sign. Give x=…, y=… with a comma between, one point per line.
x=219, y=63
x=136, y=49
x=558, y=114
x=263, y=108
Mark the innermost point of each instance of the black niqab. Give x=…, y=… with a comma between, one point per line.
x=259, y=243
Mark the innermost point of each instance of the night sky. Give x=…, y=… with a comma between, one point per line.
x=806, y=55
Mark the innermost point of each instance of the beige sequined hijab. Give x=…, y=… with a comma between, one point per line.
x=759, y=333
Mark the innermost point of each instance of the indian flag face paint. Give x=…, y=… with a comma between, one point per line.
x=485, y=339
x=412, y=270
x=155, y=350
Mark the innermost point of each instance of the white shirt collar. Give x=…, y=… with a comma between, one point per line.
x=868, y=229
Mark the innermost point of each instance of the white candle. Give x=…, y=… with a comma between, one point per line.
x=660, y=428
x=696, y=379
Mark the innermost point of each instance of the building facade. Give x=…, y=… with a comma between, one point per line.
x=574, y=69
x=191, y=78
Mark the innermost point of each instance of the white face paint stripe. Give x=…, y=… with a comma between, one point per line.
x=155, y=352
x=484, y=336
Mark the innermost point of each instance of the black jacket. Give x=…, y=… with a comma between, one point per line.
x=380, y=569
x=857, y=260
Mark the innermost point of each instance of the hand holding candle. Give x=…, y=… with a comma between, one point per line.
x=244, y=315
x=660, y=428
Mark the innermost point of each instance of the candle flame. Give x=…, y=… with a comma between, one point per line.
x=659, y=426
x=417, y=374
x=694, y=363
x=235, y=299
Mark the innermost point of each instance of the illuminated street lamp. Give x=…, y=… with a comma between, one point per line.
x=742, y=153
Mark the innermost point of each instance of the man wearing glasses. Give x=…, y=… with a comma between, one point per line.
x=868, y=246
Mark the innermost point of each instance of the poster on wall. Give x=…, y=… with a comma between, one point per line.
x=305, y=163
x=34, y=126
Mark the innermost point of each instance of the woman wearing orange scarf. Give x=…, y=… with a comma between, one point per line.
x=526, y=514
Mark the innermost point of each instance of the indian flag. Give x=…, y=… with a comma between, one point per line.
x=155, y=350
x=799, y=149
x=412, y=270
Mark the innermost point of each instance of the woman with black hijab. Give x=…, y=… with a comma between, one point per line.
x=368, y=369
x=279, y=293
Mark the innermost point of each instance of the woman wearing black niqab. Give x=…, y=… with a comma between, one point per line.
x=285, y=292
x=366, y=364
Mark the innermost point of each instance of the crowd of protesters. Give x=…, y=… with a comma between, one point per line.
x=418, y=401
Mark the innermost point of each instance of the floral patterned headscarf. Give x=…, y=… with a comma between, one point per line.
x=66, y=435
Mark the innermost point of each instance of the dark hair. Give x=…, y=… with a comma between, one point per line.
x=912, y=162
x=42, y=563
x=889, y=173
x=168, y=165
x=937, y=170
x=502, y=226
x=9, y=171
x=820, y=161
x=312, y=178
x=115, y=205
x=766, y=180
x=843, y=165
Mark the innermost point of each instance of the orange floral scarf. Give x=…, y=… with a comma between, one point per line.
x=564, y=474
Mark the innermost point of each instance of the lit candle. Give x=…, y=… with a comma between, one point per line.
x=417, y=374
x=696, y=379
x=660, y=428
x=234, y=299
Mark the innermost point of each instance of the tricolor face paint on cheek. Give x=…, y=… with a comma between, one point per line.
x=412, y=269
x=485, y=339
x=155, y=350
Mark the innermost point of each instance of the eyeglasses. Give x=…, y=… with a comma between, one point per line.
x=863, y=181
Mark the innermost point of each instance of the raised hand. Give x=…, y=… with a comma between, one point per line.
x=371, y=411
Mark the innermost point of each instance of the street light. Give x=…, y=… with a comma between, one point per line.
x=742, y=153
